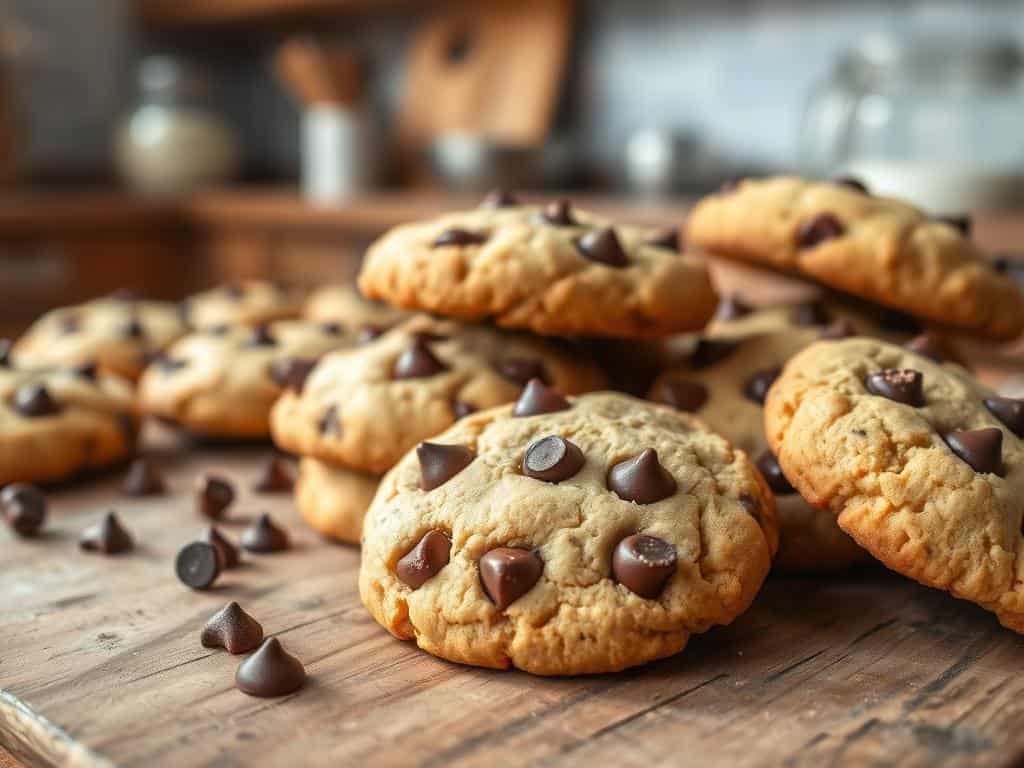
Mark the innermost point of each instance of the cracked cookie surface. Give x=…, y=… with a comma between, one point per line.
x=917, y=460
x=526, y=552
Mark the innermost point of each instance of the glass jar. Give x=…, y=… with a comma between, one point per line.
x=934, y=120
x=174, y=141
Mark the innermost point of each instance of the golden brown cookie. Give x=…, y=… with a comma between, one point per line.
x=334, y=500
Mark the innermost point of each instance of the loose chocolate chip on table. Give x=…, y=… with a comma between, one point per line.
x=232, y=629
x=142, y=479
x=667, y=237
x=824, y=226
x=417, y=362
x=772, y=472
x=603, y=246
x=330, y=423
x=903, y=386
x=839, y=329
x=368, y=332
x=270, y=671
x=757, y=386
x=711, y=351
x=681, y=394
x=292, y=372
x=643, y=564
x=34, y=400
x=230, y=556
x=538, y=398
x=458, y=237
x=107, y=536
x=265, y=536
x=274, y=477
x=1008, y=410
x=552, y=459
x=732, y=307
x=508, y=573
x=133, y=329
x=499, y=198
x=461, y=409
x=24, y=508
x=425, y=560
x=558, y=213
x=982, y=449
x=440, y=463
x=198, y=565
x=5, y=353
x=928, y=345
x=86, y=371
x=851, y=183
x=260, y=336
x=811, y=313
x=332, y=328
x=214, y=494
x=520, y=370
x=641, y=479
x=961, y=223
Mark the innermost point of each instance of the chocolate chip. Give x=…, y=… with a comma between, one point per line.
x=214, y=494
x=558, y=213
x=961, y=223
x=732, y=307
x=264, y=536
x=711, y=351
x=508, y=573
x=681, y=394
x=232, y=629
x=757, y=386
x=520, y=370
x=270, y=671
x=107, y=536
x=851, y=183
x=499, y=198
x=5, y=353
x=198, y=565
x=417, y=362
x=603, y=246
x=440, y=463
x=69, y=324
x=229, y=554
x=822, y=227
x=166, y=364
x=772, y=472
x=928, y=345
x=641, y=479
x=292, y=372
x=981, y=448
x=24, y=508
x=34, y=400
x=425, y=560
x=142, y=479
x=810, y=313
x=839, y=329
x=552, y=459
x=133, y=329
x=234, y=291
x=330, y=423
x=642, y=564
x=89, y=371
x=274, y=477
x=1009, y=411
x=903, y=386
x=461, y=409
x=332, y=329
x=538, y=398
x=458, y=237
x=260, y=336
x=667, y=237
x=368, y=332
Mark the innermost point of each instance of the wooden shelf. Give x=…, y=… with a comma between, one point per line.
x=180, y=14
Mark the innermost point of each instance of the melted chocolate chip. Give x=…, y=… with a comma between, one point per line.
x=982, y=449
x=811, y=313
x=330, y=423
x=133, y=329
x=711, y=351
x=198, y=565
x=902, y=386
x=757, y=386
x=508, y=573
x=462, y=409
x=520, y=370
x=1009, y=411
x=824, y=226
x=667, y=237
x=270, y=671
x=641, y=479
x=274, y=477
x=643, y=564
x=552, y=459
x=265, y=536
x=732, y=307
x=229, y=554
x=425, y=560
x=603, y=246
x=24, y=509
x=34, y=400
x=232, y=629
x=681, y=394
x=292, y=372
x=839, y=329
x=107, y=536
x=499, y=198
x=440, y=463
x=851, y=183
x=214, y=494
x=417, y=362
x=961, y=223
x=260, y=336
x=539, y=398
x=458, y=237
x=772, y=472
x=142, y=479
x=558, y=213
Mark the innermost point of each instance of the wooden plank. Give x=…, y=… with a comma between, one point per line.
x=178, y=14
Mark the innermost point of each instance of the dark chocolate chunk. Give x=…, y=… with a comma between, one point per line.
x=461, y=409
x=538, y=398
x=143, y=479
x=811, y=313
x=34, y=400
x=667, y=237
x=265, y=536
x=960, y=222
x=229, y=554
x=425, y=560
x=732, y=307
x=198, y=565
x=232, y=629
x=558, y=213
x=552, y=459
x=681, y=394
x=519, y=370
x=643, y=564
x=292, y=372
x=270, y=671
x=417, y=362
x=330, y=422
x=757, y=386
x=133, y=329
x=499, y=198
x=838, y=329
x=711, y=351
x=772, y=472
x=458, y=237
x=508, y=573
x=214, y=494
x=824, y=226
x=603, y=246
x=902, y=386
x=641, y=479
x=440, y=463
x=981, y=448
x=88, y=371
x=107, y=536
x=332, y=328
x=24, y=508
x=260, y=336
x=274, y=477
x=1008, y=410
x=851, y=183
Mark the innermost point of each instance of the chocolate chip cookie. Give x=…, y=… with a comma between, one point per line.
x=364, y=407
x=566, y=536
x=117, y=334
x=554, y=270
x=343, y=304
x=921, y=465
x=877, y=248
x=334, y=500
x=247, y=302
x=222, y=382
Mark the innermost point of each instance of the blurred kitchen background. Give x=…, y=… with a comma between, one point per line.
x=166, y=144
